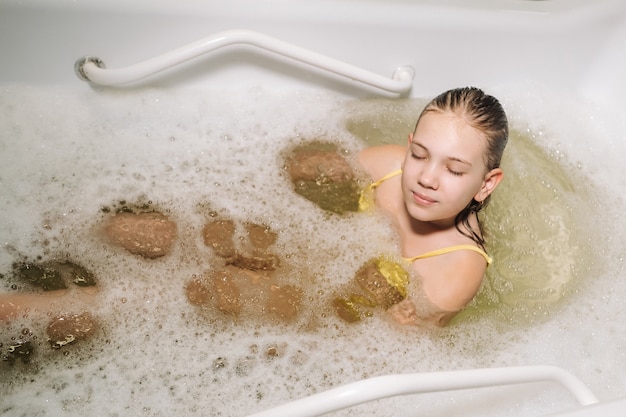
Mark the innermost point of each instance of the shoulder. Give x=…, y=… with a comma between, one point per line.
x=380, y=160
x=451, y=281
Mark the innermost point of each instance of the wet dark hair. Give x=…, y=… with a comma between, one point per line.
x=485, y=114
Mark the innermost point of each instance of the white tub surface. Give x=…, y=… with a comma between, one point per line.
x=570, y=45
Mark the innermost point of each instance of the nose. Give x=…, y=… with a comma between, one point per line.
x=428, y=176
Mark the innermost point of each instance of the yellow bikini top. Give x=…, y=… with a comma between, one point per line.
x=396, y=274
x=367, y=200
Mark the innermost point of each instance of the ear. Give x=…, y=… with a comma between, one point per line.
x=410, y=139
x=490, y=182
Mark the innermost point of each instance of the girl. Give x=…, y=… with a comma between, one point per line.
x=433, y=190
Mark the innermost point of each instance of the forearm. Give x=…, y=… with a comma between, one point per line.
x=407, y=312
x=13, y=305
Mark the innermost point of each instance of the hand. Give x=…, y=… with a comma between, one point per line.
x=404, y=312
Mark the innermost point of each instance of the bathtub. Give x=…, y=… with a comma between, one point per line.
x=558, y=66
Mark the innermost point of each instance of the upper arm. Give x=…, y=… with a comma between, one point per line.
x=450, y=284
x=378, y=161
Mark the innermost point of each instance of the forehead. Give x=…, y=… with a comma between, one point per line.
x=450, y=134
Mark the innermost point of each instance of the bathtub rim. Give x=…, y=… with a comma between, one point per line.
x=596, y=74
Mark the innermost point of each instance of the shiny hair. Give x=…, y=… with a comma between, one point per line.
x=485, y=114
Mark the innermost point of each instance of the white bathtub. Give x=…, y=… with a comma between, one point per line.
x=556, y=63
x=569, y=45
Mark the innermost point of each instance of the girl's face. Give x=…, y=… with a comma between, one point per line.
x=444, y=169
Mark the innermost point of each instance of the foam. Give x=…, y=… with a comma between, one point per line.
x=193, y=153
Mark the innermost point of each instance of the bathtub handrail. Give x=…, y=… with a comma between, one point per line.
x=93, y=70
x=404, y=384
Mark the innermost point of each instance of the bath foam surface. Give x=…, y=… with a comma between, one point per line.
x=70, y=159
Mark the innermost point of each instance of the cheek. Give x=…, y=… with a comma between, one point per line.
x=406, y=163
x=411, y=168
x=473, y=189
x=463, y=191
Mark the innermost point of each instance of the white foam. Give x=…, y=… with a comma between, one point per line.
x=65, y=155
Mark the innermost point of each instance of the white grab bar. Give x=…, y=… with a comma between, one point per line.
x=393, y=385
x=93, y=70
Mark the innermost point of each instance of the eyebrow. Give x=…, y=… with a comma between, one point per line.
x=451, y=158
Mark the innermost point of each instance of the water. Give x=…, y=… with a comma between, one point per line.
x=67, y=155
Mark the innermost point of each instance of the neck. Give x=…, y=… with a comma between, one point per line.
x=419, y=236
x=413, y=231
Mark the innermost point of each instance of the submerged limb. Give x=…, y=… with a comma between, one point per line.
x=64, y=327
x=14, y=305
x=150, y=235
x=383, y=283
x=245, y=294
x=323, y=176
x=68, y=328
x=58, y=285
x=380, y=282
x=404, y=312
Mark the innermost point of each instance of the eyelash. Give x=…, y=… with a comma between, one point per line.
x=421, y=158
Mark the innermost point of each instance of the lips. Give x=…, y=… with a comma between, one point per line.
x=423, y=200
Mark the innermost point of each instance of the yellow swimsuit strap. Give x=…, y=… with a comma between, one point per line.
x=385, y=178
x=452, y=249
x=366, y=200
